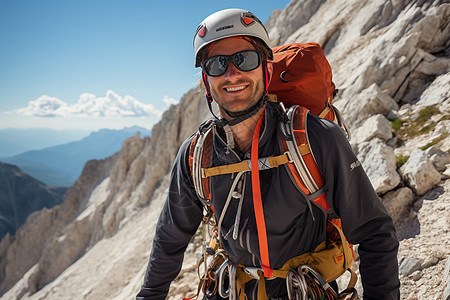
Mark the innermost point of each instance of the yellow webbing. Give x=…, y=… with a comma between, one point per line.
x=323, y=260
x=274, y=161
x=327, y=108
x=272, y=98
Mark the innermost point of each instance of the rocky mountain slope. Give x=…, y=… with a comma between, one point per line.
x=20, y=195
x=61, y=165
x=391, y=62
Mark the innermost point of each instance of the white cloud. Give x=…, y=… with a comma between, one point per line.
x=89, y=105
x=169, y=101
x=43, y=106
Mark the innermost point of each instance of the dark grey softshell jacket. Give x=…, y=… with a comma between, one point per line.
x=291, y=229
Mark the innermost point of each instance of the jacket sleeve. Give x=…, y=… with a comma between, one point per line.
x=365, y=220
x=178, y=222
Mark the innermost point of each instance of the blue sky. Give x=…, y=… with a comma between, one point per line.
x=86, y=64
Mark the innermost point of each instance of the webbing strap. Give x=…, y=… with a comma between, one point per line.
x=322, y=260
x=264, y=163
x=324, y=112
x=257, y=203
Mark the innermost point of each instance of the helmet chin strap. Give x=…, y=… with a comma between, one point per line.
x=209, y=98
x=241, y=116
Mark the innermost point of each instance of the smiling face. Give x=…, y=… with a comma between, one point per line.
x=235, y=91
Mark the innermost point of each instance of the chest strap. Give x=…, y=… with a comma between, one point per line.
x=263, y=163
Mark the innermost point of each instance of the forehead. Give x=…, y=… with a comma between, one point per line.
x=229, y=46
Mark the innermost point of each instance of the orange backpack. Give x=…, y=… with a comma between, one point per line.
x=302, y=76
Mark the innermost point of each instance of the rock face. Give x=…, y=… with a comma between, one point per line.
x=390, y=60
x=20, y=195
x=106, y=195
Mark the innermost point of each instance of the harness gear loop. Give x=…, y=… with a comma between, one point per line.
x=330, y=260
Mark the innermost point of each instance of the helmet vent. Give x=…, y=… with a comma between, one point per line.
x=247, y=21
x=201, y=30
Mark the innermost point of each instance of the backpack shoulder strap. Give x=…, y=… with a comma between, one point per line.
x=304, y=169
x=200, y=152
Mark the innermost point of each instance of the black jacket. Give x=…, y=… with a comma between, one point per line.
x=291, y=229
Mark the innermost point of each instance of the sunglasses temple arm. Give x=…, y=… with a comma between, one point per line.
x=266, y=78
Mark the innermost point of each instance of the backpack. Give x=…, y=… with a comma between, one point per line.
x=302, y=81
x=302, y=76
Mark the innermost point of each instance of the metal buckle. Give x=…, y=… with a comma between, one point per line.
x=253, y=271
x=289, y=156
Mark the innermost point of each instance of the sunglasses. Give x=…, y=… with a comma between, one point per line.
x=245, y=61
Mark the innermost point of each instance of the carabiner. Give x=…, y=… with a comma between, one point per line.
x=227, y=268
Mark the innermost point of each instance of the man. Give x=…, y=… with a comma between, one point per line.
x=232, y=48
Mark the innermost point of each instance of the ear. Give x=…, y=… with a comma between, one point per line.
x=270, y=69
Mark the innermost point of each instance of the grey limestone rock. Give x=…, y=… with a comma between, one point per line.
x=379, y=162
x=419, y=172
x=398, y=203
x=409, y=265
x=375, y=126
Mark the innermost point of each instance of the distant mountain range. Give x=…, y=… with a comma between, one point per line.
x=14, y=141
x=61, y=165
x=20, y=195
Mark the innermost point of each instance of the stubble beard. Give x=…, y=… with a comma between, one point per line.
x=255, y=97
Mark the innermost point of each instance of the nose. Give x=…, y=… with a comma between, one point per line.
x=232, y=71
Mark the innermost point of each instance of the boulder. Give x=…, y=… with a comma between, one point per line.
x=438, y=157
x=375, y=126
x=409, y=265
x=379, y=162
x=419, y=172
x=431, y=261
x=416, y=275
x=369, y=102
x=398, y=203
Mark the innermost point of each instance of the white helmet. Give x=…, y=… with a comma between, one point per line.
x=228, y=23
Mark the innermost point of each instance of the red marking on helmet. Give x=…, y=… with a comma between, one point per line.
x=247, y=20
x=202, y=31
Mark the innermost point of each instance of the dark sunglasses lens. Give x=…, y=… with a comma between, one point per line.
x=216, y=66
x=246, y=61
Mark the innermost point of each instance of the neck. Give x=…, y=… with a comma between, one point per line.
x=243, y=131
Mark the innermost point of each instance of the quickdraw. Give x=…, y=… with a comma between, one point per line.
x=209, y=283
x=304, y=283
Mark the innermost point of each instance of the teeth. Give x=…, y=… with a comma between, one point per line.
x=234, y=89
